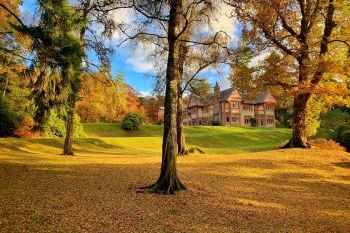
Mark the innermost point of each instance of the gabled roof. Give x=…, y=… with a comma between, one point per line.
x=265, y=98
x=196, y=101
x=226, y=93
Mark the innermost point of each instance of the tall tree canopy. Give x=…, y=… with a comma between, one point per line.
x=307, y=45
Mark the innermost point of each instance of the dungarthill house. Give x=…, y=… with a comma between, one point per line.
x=229, y=107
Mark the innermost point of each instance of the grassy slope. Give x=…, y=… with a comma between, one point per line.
x=95, y=191
x=211, y=139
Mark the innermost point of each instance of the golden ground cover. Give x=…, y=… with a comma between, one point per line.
x=96, y=191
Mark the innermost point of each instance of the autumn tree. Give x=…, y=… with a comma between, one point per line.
x=152, y=105
x=152, y=15
x=105, y=99
x=167, y=25
x=14, y=91
x=168, y=181
x=307, y=39
x=199, y=50
x=60, y=40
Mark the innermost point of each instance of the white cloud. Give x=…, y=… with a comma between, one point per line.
x=223, y=21
x=140, y=61
x=124, y=17
x=145, y=93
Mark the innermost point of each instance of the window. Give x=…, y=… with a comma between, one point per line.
x=247, y=120
x=227, y=119
x=269, y=107
x=247, y=107
x=227, y=107
x=234, y=104
x=270, y=120
x=235, y=119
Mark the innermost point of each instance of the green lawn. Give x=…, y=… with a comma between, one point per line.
x=230, y=188
x=212, y=139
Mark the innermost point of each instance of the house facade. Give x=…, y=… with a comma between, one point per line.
x=229, y=107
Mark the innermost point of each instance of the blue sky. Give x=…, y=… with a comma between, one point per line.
x=134, y=63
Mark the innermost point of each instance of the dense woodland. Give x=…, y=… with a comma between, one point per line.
x=48, y=84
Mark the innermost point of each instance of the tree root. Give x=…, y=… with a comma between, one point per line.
x=68, y=154
x=164, y=189
x=184, y=151
x=290, y=144
x=196, y=148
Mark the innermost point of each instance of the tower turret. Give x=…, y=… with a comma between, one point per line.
x=217, y=91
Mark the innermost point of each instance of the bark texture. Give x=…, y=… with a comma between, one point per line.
x=6, y=84
x=74, y=83
x=299, y=137
x=181, y=140
x=68, y=141
x=168, y=181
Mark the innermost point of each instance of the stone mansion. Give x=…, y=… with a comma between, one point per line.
x=230, y=108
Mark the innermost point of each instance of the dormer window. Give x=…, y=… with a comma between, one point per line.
x=234, y=104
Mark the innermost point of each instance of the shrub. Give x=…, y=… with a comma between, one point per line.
x=253, y=122
x=25, y=128
x=55, y=125
x=132, y=121
x=342, y=135
x=215, y=123
x=78, y=127
x=283, y=117
x=326, y=144
x=10, y=119
x=345, y=139
x=331, y=119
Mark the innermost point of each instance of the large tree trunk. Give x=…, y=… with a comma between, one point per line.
x=299, y=139
x=168, y=181
x=68, y=142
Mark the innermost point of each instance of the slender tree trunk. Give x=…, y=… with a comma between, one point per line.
x=74, y=82
x=181, y=140
x=6, y=84
x=168, y=181
x=68, y=142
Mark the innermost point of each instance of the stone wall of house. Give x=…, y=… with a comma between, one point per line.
x=231, y=114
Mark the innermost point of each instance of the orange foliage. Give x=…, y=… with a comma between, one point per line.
x=326, y=144
x=25, y=129
x=102, y=98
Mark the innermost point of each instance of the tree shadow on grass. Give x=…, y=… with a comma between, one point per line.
x=222, y=203
x=82, y=142
x=342, y=164
x=83, y=145
x=95, y=142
